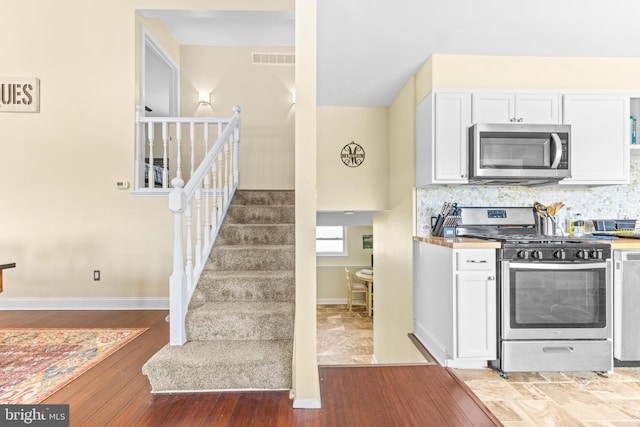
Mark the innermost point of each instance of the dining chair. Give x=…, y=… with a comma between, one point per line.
x=355, y=289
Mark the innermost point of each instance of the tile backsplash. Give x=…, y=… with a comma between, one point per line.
x=607, y=202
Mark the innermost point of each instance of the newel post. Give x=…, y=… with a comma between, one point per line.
x=178, y=280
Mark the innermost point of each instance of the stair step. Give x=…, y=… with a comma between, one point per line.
x=257, y=234
x=257, y=285
x=264, y=320
x=264, y=197
x=241, y=317
x=221, y=365
x=252, y=257
x=240, y=214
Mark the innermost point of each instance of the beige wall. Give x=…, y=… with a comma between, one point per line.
x=424, y=80
x=463, y=71
x=352, y=188
x=264, y=93
x=62, y=216
x=393, y=248
x=331, y=280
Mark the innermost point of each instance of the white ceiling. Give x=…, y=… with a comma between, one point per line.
x=367, y=49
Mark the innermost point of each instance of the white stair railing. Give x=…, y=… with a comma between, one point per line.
x=161, y=152
x=198, y=207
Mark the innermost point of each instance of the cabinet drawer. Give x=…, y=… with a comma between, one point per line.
x=476, y=260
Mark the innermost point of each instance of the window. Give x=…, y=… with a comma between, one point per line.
x=331, y=241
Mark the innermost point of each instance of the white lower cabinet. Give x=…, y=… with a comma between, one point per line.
x=455, y=304
x=475, y=315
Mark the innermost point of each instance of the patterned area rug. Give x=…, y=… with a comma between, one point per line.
x=35, y=363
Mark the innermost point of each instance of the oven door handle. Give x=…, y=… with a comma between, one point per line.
x=555, y=266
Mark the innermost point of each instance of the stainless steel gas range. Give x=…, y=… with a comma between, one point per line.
x=554, y=293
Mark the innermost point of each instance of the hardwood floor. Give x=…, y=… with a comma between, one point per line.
x=115, y=393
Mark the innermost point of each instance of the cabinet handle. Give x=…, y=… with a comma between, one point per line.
x=520, y=120
x=473, y=261
x=491, y=278
x=512, y=119
x=557, y=349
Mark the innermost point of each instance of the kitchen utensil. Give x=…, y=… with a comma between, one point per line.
x=558, y=206
x=551, y=209
x=541, y=209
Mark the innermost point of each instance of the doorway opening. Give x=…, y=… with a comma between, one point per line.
x=344, y=245
x=159, y=80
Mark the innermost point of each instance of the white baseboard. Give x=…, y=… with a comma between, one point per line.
x=331, y=301
x=306, y=404
x=84, y=303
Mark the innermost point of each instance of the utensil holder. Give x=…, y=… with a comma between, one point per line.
x=548, y=224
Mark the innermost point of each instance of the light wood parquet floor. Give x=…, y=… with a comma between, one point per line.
x=343, y=337
x=559, y=399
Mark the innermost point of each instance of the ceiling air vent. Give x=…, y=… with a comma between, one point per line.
x=273, y=58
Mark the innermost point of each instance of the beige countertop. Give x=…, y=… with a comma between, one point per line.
x=469, y=243
x=622, y=243
x=460, y=242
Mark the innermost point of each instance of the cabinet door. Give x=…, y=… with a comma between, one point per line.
x=600, y=138
x=493, y=107
x=476, y=324
x=537, y=108
x=452, y=121
x=516, y=108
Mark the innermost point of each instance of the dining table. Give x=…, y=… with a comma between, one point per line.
x=366, y=275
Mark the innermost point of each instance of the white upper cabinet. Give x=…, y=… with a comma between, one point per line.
x=600, y=138
x=516, y=108
x=442, y=122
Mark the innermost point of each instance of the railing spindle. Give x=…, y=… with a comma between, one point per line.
x=188, y=213
x=198, y=248
x=165, y=160
x=150, y=175
x=179, y=148
x=192, y=137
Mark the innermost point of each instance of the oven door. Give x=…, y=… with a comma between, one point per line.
x=556, y=300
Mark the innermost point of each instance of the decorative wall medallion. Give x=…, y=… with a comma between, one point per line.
x=352, y=155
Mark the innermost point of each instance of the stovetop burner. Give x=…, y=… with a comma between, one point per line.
x=517, y=231
x=527, y=238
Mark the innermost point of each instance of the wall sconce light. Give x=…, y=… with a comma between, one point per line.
x=204, y=98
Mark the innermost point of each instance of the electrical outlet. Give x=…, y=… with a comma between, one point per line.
x=96, y=274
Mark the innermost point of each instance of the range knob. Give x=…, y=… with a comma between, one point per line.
x=596, y=253
x=582, y=254
x=559, y=254
x=522, y=254
x=536, y=254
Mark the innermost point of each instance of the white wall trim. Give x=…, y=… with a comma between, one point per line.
x=331, y=301
x=306, y=404
x=84, y=303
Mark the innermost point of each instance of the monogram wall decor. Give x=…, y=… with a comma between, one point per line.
x=352, y=155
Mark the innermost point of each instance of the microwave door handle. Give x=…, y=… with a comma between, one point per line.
x=555, y=143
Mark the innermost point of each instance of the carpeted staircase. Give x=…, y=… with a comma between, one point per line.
x=240, y=319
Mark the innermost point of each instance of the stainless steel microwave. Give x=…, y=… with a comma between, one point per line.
x=519, y=154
